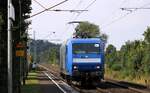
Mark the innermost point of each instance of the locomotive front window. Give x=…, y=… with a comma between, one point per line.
x=86, y=48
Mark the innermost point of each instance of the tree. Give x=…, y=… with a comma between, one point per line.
x=46, y=52
x=52, y=56
x=3, y=46
x=87, y=30
x=1, y=21
x=111, y=55
x=147, y=35
x=146, y=47
x=19, y=35
x=104, y=37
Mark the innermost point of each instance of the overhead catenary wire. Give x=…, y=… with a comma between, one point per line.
x=79, y=3
x=111, y=16
x=48, y=8
x=134, y=8
x=115, y=20
x=58, y=10
x=72, y=17
x=85, y=9
x=118, y=19
x=82, y=11
x=39, y=4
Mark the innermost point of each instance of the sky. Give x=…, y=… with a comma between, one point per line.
x=119, y=25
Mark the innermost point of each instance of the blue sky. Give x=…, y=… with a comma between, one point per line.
x=103, y=13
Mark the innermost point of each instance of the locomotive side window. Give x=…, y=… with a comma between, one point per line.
x=81, y=48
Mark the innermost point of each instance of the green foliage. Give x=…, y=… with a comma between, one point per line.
x=20, y=25
x=103, y=37
x=18, y=28
x=46, y=52
x=132, y=60
x=87, y=30
x=116, y=67
x=53, y=56
x=110, y=55
x=32, y=82
x=146, y=59
x=147, y=35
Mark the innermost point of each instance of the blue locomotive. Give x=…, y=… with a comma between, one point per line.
x=82, y=59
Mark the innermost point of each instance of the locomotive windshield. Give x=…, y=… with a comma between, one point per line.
x=81, y=48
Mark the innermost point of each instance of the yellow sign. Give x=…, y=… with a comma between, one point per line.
x=20, y=53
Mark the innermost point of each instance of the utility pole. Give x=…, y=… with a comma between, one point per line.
x=9, y=50
x=10, y=17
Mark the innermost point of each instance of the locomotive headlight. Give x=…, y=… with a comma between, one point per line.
x=75, y=67
x=98, y=67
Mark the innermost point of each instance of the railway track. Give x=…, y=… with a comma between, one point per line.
x=109, y=87
x=133, y=87
x=106, y=86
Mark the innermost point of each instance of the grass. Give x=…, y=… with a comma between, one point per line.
x=32, y=84
x=118, y=75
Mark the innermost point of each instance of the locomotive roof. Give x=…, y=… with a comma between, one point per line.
x=81, y=40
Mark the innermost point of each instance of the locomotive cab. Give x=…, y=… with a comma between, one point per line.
x=82, y=59
x=87, y=60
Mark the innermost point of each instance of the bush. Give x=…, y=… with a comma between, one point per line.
x=116, y=67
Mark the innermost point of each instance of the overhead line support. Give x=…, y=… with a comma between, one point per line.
x=49, y=8
x=134, y=8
